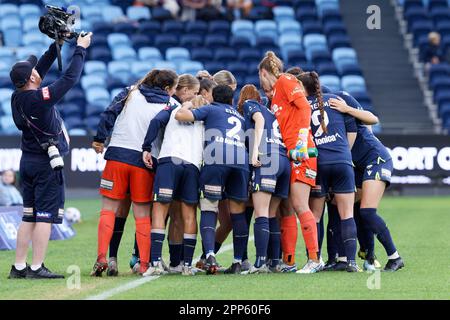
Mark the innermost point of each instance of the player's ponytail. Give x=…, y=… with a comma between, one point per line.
x=162, y=79
x=272, y=64
x=248, y=92
x=311, y=83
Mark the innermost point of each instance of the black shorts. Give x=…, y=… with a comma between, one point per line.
x=334, y=178
x=43, y=191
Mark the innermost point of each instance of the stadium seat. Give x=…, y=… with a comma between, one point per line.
x=149, y=27
x=127, y=28
x=283, y=13
x=289, y=42
x=239, y=42
x=97, y=68
x=115, y=84
x=296, y=57
x=77, y=132
x=101, y=28
x=190, y=67
x=307, y=15
x=172, y=26
x=111, y=13
x=124, y=54
x=238, y=69
x=177, y=54
x=74, y=122
x=353, y=83
x=285, y=27
x=334, y=28
x=318, y=56
x=30, y=24
x=22, y=53
x=164, y=41
x=190, y=41
x=330, y=81
x=118, y=39
x=12, y=30
x=92, y=13
x=94, y=109
x=138, y=13
x=202, y=54
x=196, y=27
x=29, y=10
x=161, y=14
x=8, y=10
x=327, y=68
x=139, y=69
x=225, y=55
x=140, y=40
x=344, y=54
x=216, y=41
x=266, y=28
x=8, y=126
x=214, y=66
x=312, y=27
x=249, y=55
x=76, y=96
x=243, y=28
x=165, y=65
x=331, y=15
x=219, y=27
x=115, y=92
x=7, y=57
x=266, y=44
x=97, y=95
x=338, y=41
x=100, y=53
x=92, y=81
x=120, y=70
x=5, y=94
x=149, y=54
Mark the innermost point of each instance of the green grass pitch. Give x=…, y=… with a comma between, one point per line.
x=420, y=228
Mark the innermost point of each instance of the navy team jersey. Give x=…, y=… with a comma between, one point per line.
x=271, y=141
x=367, y=146
x=333, y=146
x=224, y=135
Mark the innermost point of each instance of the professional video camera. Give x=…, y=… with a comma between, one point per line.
x=58, y=24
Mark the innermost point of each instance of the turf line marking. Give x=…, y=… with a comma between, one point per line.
x=136, y=283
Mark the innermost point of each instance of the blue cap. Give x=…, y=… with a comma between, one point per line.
x=21, y=71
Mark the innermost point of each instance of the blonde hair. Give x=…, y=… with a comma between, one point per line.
x=272, y=64
x=187, y=81
x=224, y=77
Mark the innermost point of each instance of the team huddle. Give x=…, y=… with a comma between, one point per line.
x=178, y=142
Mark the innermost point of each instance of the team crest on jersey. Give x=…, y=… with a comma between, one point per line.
x=46, y=93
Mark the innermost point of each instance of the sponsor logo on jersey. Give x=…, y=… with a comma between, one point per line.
x=106, y=184
x=44, y=215
x=45, y=93
x=268, y=183
x=217, y=190
x=165, y=192
x=327, y=139
x=369, y=172
x=310, y=174
x=386, y=173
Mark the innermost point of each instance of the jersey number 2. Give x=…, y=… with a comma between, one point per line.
x=233, y=132
x=315, y=119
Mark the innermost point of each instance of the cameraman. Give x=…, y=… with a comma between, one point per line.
x=43, y=135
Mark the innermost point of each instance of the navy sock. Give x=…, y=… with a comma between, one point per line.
x=320, y=234
x=203, y=256
x=365, y=235
x=378, y=227
x=262, y=234
x=208, y=220
x=189, y=243
x=273, y=251
x=119, y=225
x=248, y=217
x=240, y=234
x=348, y=230
x=333, y=225
x=156, y=246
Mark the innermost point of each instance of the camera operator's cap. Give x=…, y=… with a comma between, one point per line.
x=21, y=71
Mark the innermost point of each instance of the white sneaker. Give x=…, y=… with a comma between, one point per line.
x=285, y=268
x=246, y=265
x=310, y=267
x=263, y=269
x=175, y=270
x=136, y=268
x=367, y=266
x=322, y=264
x=155, y=270
x=187, y=271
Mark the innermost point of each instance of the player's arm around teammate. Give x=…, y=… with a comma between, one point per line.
x=293, y=113
x=332, y=131
x=270, y=176
x=125, y=171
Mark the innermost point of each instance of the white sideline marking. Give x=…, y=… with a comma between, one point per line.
x=136, y=283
